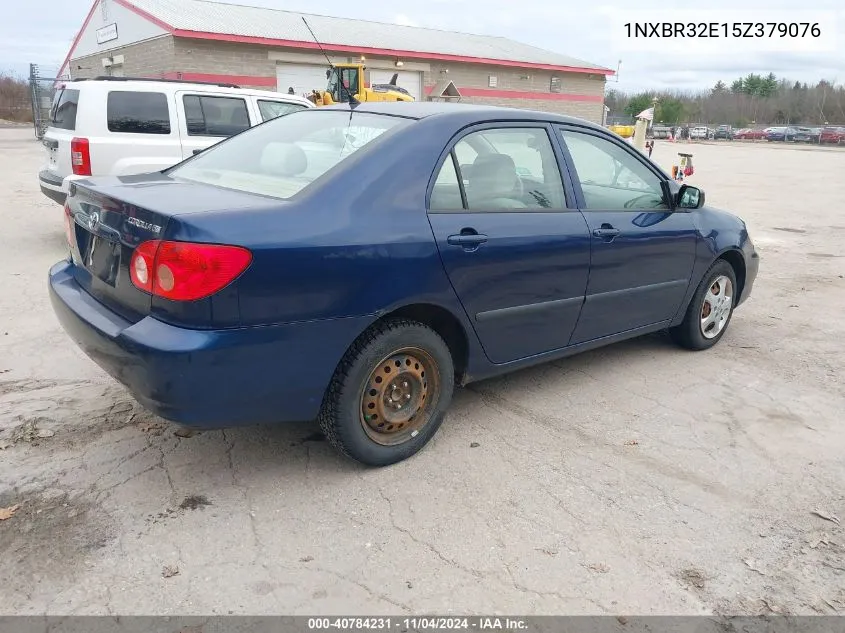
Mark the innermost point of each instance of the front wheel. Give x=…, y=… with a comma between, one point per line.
x=710, y=309
x=389, y=394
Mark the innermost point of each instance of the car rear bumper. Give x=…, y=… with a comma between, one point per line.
x=52, y=186
x=207, y=378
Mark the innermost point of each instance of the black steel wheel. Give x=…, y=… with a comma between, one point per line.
x=389, y=394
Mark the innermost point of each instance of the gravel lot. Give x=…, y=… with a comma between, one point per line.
x=636, y=479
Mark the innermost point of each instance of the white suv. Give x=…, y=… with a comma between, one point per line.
x=119, y=126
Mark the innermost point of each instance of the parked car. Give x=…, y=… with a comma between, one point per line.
x=832, y=135
x=354, y=265
x=702, y=132
x=806, y=135
x=724, y=132
x=661, y=131
x=122, y=126
x=780, y=133
x=750, y=134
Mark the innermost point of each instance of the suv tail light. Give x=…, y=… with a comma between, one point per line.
x=186, y=271
x=80, y=157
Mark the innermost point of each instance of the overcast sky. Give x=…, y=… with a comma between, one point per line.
x=591, y=31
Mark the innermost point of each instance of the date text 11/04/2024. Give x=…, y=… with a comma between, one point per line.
x=418, y=624
x=722, y=29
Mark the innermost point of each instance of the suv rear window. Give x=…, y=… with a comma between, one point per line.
x=138, y=112
x=272, y=109
x=215, y=116
x=63, y=111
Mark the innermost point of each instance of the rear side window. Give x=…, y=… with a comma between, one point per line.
x=215, y=116
x=138, y=112
x=272, y=109
x=63, y=111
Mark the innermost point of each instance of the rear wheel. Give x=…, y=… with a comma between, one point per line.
x=389, y=394
x=710, y=309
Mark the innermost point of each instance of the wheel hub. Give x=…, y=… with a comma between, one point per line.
x=716, y=307
x=396, y=399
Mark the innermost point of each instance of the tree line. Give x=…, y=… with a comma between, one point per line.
x=14, y=98
x=747, y=101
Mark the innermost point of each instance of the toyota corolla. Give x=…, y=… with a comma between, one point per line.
x=353, y=265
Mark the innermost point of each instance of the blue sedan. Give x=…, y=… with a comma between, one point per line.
x=352, y=265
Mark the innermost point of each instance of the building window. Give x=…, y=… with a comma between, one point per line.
x=492, y=81
x=554, y=84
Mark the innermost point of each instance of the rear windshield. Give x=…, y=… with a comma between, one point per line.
x=138, y=112
x=63, y=111
x=283, y=156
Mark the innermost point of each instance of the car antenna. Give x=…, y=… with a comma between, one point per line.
x=352, y=100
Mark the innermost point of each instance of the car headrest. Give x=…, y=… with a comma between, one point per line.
x=494, y=174
x=211, y=111
x=239, y=118
x=283, y=159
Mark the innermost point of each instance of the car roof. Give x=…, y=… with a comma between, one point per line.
x=121, y=83
x=462, y=111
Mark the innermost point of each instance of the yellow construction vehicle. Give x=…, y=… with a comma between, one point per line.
x=625, y=131
x=347, y=84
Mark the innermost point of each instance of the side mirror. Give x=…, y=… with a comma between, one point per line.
x=690, y=197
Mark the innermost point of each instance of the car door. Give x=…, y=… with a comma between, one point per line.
x=208, y=118
x=515, y=253
x=642, y=251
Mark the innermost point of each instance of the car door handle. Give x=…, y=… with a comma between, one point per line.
x=606, y=231
x=467, y=239
x=197, y=151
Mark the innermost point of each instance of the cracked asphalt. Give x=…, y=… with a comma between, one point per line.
x=636, y=479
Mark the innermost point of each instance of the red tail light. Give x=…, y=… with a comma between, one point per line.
x=185, y=271
x=80, y=157
x=69, y=225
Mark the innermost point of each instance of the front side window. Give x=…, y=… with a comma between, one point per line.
x=285, y=155
x=272, y=109
x=611, y=177
x=215, y=116
x=63, y=110
x=509, y=169
x=138, y=112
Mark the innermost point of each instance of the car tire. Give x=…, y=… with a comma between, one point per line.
x=399, y=359
x=710, y=309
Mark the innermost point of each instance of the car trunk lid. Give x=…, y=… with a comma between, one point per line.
x=112, y=216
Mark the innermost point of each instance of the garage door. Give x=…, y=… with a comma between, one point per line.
x=409, y=80
x=303, y=78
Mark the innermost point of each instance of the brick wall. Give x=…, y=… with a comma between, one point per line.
x=526, y=81
x=224, y=58
x=151, y=58
x=207, y=57
x=581, y=109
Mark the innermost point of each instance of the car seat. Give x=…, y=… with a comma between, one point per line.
x=494, y=183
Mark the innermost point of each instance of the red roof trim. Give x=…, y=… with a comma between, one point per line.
x=366, y=50
x=519, y=94
x=78, y=35
x=147, y=16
